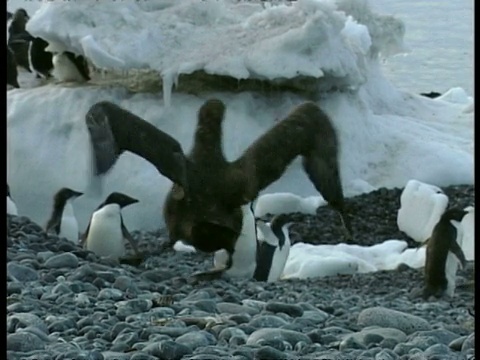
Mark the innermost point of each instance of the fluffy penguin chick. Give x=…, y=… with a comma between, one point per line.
x=11, y=206
x=106, y=231
x=273, y=248
x=440, y=264
x=62, y=221
x=68, y=67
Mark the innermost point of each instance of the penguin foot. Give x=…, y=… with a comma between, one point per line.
x=209, y=275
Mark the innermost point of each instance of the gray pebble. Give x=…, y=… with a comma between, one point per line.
x=23, y=320
x=167, y=350
x=267, y=335
x=24, y=342
x=21, y=273
x=267, y=321
x=195, y=339
x=469, y=343
x=231, y=308
x=268, y=352
x=389, y=318
x=110, y=294
x=386, y=354
x=65, y=260
x=289, y=309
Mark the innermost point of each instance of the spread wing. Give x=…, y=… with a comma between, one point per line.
x=114, y=130
x=306, y=131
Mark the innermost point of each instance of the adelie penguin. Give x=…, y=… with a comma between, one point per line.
x=260, y=255
x=443, y=254
x=204, y=204
x=19, y=39
x=62, y=220
x=41, y=61
x=273, y=248
x=106, y=231
x=11, y=206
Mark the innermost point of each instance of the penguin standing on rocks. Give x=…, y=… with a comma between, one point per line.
x=11, y=206
x=106, y=231
x=62, y=220
x=19, y=39
x=273, y=248
x=443, y=254
x=70, y=67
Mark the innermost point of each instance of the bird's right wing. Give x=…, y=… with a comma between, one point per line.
x=114, y=130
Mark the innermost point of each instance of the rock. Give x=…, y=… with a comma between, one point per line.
x=266, y=335
x=373, y=335
x=268, y=352
x=457, y=344
x=21, y=273
x=438, y=349
x=23, y=320
x=389, y=318
x=24, y=342
x=196, y=339
x=167, y=350
x=469, y=343
x=64, y=260
x=267, y=321
x=231, y=308
x=110, y=294
x=289, y=309
x=386, y=354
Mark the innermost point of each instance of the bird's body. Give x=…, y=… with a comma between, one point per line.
x=106, y=231
x=443, y=255
x=204, y=204
x=62, y=221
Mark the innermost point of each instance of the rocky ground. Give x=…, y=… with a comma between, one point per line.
x=65, y=303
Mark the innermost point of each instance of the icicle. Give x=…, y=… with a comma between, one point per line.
x=167, y=83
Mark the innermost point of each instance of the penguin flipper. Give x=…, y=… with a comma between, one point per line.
x=458, y=252
x=126, y=234
x=53, y=226
x=113, y=130
x=83, y=238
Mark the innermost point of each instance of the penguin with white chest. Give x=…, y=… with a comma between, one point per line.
x=62, y=219
x=11, y=206
x=260, y=255
x=443, y=255
x=273, y=248
x=241, y=264
x=106, y=230
x=70, y=67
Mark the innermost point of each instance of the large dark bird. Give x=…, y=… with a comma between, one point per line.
x=207, y=212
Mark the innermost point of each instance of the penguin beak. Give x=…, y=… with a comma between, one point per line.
x=77, y=194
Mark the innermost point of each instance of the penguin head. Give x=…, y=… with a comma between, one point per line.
x=454, y=214
x=65, y=194
x=281, y=221
x=21, y=14
x=120, y=199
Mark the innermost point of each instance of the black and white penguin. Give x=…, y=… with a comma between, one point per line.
x=273, y=248
x=242, y=260
x=11, y=206
x=19, y=39
x=443, y=255
x=12, y=72
x=62, y=219
x=70, y=67
x=41, y=61
x=106, y=231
